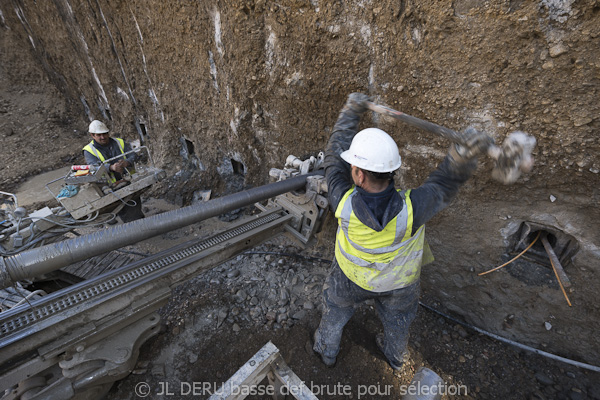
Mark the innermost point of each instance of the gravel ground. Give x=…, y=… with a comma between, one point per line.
x=219, y=320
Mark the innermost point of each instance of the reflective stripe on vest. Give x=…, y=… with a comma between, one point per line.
x=380, y=261
x=94, y=151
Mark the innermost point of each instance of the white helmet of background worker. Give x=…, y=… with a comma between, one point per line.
x=97, y=127
x=373, y=150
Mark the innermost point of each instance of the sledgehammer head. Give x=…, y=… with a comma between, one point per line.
x=513, y=157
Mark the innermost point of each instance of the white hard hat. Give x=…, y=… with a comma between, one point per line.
x=373, y=150
x=97, y=127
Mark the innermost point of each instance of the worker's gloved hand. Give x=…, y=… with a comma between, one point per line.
x=119, y=166
x=476, y=143
x=357, y=102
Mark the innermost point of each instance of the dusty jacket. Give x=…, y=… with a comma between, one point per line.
x=427, y=200
x=109, y=151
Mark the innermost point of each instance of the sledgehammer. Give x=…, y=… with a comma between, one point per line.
x=512, y=158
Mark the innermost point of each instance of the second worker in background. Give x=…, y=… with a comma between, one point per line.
x=103, y=147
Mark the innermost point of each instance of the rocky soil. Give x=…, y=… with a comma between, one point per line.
x=216, y=322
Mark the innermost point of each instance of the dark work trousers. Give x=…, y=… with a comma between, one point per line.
x=396, y=309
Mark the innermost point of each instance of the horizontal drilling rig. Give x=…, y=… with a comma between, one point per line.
x=74, y=343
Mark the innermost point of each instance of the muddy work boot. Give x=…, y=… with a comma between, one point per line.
x=380, y=345
x=328, y=361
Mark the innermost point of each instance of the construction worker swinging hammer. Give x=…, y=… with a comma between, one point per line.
x=380, y=244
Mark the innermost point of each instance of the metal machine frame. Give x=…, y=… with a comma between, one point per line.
x=92, y=197
x=74, y=343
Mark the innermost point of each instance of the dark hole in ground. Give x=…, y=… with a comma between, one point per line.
x=143, y=131
x=189, y=146
x=188, y=152
x=530, y=273
x=140, y=126
x=564, y=245
x=238, y=167
x=534, y=267
x=537, y=253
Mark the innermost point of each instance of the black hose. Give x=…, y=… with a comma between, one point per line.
x=513, y=343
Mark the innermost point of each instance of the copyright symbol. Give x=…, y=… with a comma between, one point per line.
x=142, y=389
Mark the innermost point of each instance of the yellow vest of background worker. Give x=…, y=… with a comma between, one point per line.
x=90, y=148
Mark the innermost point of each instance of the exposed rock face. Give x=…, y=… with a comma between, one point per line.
x=225, y=89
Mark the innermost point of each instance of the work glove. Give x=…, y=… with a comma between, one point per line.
x=357, y=102
x=119, y=166
x=475, y=143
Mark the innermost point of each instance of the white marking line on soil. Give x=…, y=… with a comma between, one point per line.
x=213, y=69
x=87, y=53
x=117, y=54
x=151, y=92
x=218, y=42
x=270, y=44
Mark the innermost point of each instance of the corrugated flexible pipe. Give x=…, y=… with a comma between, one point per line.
x=42, y=260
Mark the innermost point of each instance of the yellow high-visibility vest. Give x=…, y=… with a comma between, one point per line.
x=380, y=261
x=91, y=149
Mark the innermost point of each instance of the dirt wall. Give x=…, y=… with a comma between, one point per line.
x=224, y=89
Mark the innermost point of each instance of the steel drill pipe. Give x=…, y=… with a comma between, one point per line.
x=43, y=260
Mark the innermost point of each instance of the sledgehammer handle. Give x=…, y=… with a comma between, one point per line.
x=512, y=158
x=449, y=134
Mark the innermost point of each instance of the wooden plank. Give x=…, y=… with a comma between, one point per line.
x=102, y=266
x=266, y=362
x=81, y=269
x=120, y=261
x=251, y=373
x=74, y=268
x=9, y=298
x=295, y=386
x=94, y=266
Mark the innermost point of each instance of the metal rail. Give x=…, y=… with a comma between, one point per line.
x=92, y=310
x=42, y=260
